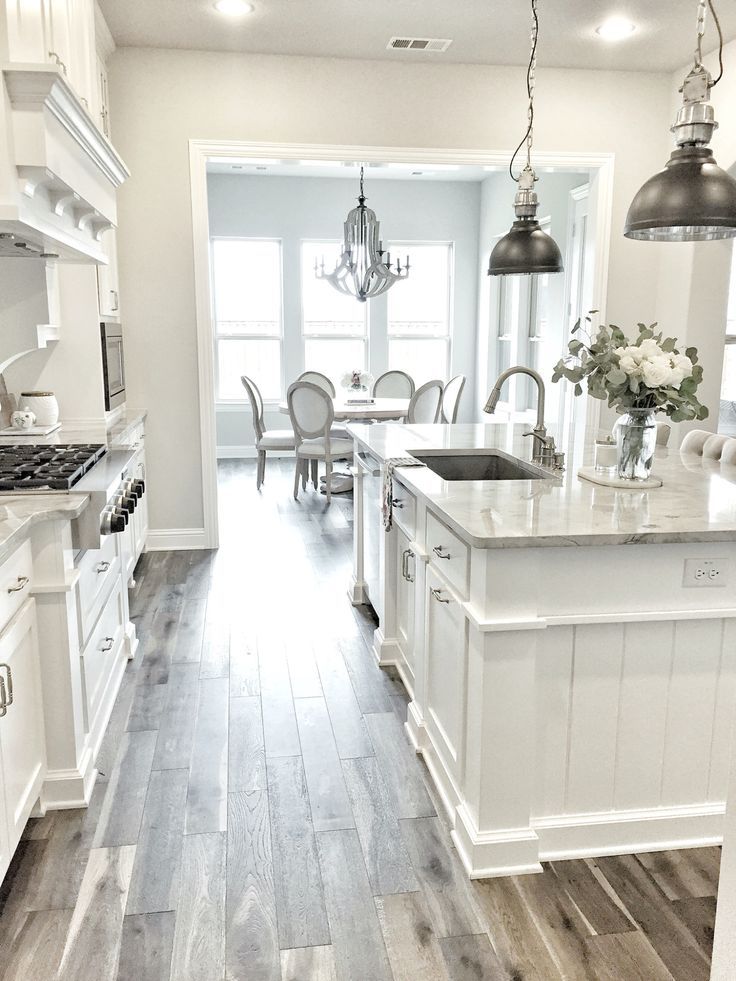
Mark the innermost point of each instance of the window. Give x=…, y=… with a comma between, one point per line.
x=419, y=318
x=334, y=326
x=246, y=276
x=522, y=327
x=727, y=420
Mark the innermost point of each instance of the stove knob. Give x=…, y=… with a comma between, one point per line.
x=139, y=487
x=125, y=503
x=106, y=522
x=122, y=516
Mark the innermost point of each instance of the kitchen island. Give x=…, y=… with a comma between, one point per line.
x=571, y=665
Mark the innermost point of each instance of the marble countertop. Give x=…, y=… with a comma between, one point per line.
x=116, y=435
x=19, y=513
x=697, y=502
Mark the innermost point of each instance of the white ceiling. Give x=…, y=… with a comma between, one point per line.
x=487, y=32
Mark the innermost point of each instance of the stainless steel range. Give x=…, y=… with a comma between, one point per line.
x=84, y=468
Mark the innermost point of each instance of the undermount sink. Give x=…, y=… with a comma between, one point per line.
x=481, y=465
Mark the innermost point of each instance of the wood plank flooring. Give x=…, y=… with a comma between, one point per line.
x=260, y=816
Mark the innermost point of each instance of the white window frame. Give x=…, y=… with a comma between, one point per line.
x=325, y=336
x=217, y=336
x=402, y=247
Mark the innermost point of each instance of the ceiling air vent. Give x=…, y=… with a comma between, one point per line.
x=418, y=44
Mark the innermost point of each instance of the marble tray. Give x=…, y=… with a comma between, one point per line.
x=610, y=480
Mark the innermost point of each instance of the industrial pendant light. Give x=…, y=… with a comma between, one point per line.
x=692, y=199
x=526, y=248
x=364, y=268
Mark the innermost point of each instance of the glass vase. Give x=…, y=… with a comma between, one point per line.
x=636, y=439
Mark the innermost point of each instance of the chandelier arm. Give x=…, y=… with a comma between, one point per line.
x=528, y=136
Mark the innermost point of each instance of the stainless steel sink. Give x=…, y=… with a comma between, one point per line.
x=480, y=465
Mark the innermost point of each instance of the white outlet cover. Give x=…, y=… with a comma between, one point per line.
x=706, y=573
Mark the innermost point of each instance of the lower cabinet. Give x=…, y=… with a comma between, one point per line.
x=22, y=743
x=406, y=575
x=446, y=653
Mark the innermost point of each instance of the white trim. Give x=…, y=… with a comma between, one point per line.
x=201, y=150
x=198, y=155
x=172, y=539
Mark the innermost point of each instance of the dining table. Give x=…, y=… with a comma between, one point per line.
x=356, y=409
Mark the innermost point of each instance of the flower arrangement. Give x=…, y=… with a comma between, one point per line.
x=649, y=373
x=357, y=381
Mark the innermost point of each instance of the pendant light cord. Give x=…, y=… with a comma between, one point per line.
x=701, y=32
x=528, y=136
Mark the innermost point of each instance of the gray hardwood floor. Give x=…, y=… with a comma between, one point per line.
x=259, y=815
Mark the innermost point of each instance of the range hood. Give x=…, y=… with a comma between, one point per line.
x=58, y=172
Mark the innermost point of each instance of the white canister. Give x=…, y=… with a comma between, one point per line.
x=43, y=405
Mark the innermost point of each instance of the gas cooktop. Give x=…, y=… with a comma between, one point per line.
x=29, y=469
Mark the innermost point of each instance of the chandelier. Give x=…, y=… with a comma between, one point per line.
x=364, y=269
x=526, y=248
x=692, y=199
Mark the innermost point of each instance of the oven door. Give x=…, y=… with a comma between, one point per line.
x=113, y=365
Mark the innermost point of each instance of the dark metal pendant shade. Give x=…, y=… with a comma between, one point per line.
x=691, y=200
x=525, y=249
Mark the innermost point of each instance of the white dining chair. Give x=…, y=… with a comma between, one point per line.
x=272, y=439
x=312, y=412
x=424, y=406
x=317, y=378
x=393, y=385
x=451, y=399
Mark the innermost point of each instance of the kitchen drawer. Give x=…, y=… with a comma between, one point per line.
x=97, y=568
x=16, y=582
x=404, y=509
x=448, y=554
x=102, y=652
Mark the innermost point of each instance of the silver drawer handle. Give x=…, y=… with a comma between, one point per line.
x=405, y=556
x=437, y=593
x=396, y=502
x=7, y=695
x=103, y=567
x=439, y=551
x=109, y=645
x=20, y=583
x=3, y=700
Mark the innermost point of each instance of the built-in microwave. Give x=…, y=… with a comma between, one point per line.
x=113, y=366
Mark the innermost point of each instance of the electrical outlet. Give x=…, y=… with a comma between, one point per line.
x=706, y=572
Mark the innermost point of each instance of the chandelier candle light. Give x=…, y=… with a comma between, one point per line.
x=526, y=248
x=364, y=268
x=692, y=199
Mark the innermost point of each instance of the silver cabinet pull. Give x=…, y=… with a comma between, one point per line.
x=437, y=593
x=59, y=62
x=396, y=502
x=114, y=293
x=20, y=583
x=3, y=699
x=103, y=567
x=409, y=555
x=439, y=551
x=8, y=696
x=108, y=645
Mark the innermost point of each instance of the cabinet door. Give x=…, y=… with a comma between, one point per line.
x=107, y=279
x=141, y=512
x=82, y=52
x=103, y=99
x=27, y=40
x=372, y=532
x=58, y=30
x=405, y=598
x=21, y=728
x=446, y=651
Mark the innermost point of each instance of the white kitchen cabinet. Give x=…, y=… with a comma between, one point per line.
x=406, y=583
x=22, y=740
x=102, y=107
x=108, y=289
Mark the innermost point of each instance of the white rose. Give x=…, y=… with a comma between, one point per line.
x=656, y=372
x=682, y=368
x=650, y=349
x=628, y=364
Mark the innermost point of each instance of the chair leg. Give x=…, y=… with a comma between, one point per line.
x=261, y=470
x=315, y=474
x=297, y=475
x=305, y=473
x=328, y=481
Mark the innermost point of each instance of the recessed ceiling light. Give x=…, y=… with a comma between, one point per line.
x=615, y=29
x=233, y=8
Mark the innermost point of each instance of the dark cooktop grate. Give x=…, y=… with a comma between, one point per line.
x=36, y=467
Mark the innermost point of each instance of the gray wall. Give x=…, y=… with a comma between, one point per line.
x=296, y=208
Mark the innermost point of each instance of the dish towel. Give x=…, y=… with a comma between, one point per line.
x=387, y=495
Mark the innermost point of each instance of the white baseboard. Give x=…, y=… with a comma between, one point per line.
x=173, y=539
x=249, y=453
